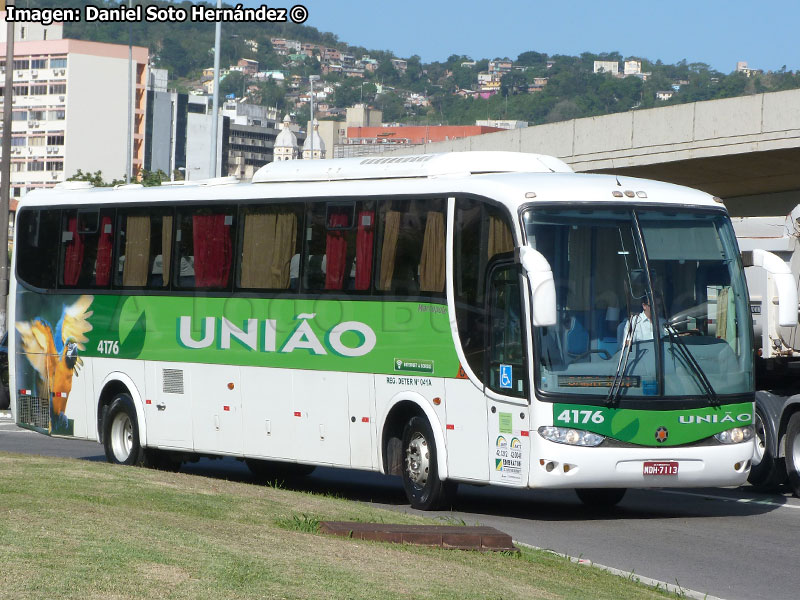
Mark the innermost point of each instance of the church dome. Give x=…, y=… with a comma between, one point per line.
x=286, y=138
x=319, y=145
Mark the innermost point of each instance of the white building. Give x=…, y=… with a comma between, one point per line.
x=606, y=66
x=502, y=123
x=70, y=102
x=632, y=67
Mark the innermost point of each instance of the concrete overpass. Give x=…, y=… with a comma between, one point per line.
x=745, y=150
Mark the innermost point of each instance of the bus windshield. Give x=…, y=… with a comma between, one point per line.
x=651, y=304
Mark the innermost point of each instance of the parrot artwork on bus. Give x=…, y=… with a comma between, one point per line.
x=54, y=355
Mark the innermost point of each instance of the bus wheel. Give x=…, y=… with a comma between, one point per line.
x=121, y=433
x=767, y=471
x=601, y=497
x=424, y=489
x=793, y=453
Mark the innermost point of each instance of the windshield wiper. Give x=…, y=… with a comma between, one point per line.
x=694, y=367
x=624, y=356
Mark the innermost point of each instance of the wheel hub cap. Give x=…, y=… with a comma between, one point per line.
x=418, y=460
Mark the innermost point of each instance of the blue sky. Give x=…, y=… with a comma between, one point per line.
x=720, y=33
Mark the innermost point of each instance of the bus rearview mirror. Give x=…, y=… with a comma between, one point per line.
x=542, y=286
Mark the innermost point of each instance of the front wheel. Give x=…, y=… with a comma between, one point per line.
x=424, y=489
x=121, y=433
x=768, y=471
x=793, y=453
x=601, y=497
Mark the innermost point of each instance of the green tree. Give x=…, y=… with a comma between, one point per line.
x=532, y=59
x=151, y=178
x=96, y=179
x=392, y=106
x=233, y=83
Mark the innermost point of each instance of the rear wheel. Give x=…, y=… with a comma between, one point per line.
x=121, y=433
x=424, y=489
x=793, y=453
x=601, y=497
x=768, y=471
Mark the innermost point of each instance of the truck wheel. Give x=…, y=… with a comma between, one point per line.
x=793, y=453
x=767, y=471
x=121, y=433
x=424, y=489
x=601, y=497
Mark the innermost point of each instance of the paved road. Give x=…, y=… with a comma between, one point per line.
x=729, y=543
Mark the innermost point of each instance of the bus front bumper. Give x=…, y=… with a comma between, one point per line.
x=561, y=466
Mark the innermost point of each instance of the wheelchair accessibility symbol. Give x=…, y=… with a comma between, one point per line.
x=505, y=376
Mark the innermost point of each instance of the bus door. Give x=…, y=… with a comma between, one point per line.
x=506, y=374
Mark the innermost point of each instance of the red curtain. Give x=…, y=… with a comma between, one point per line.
x=104, y=245
x=335, y=253
x=212, y=250
x=364, y=239
x=73, y=256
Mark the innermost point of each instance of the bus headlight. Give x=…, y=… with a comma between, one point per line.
x=572, y=437
x=736, y=435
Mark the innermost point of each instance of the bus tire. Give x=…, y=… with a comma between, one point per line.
x=121, y=433
x=767, y=471
x=793, y=453
x=601, y=497
x=424, y=489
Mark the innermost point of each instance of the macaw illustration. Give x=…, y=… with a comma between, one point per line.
x=54, y=354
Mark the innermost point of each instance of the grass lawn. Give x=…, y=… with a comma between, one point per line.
x=77, y=529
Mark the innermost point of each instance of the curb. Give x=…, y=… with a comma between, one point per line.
x=484, y=539
x=673, y=588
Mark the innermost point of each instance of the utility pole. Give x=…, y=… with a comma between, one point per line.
x=5, y=174
x=215, y=104
x=129, y=147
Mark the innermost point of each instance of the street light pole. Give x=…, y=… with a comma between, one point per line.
x=5, y=173
x=215, y=102
x=311, y=80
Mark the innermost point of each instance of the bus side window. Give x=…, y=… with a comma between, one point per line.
x=204, y=240
x=339, y=246
x=87, y=240
x=270, y=250
x=37, y=233
x=412, y=248
x=144, y=241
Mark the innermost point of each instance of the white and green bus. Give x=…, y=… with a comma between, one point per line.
x=479, y=317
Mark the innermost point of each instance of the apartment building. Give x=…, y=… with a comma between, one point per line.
x=70, y=107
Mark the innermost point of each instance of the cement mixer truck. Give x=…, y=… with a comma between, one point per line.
x=771, y=255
